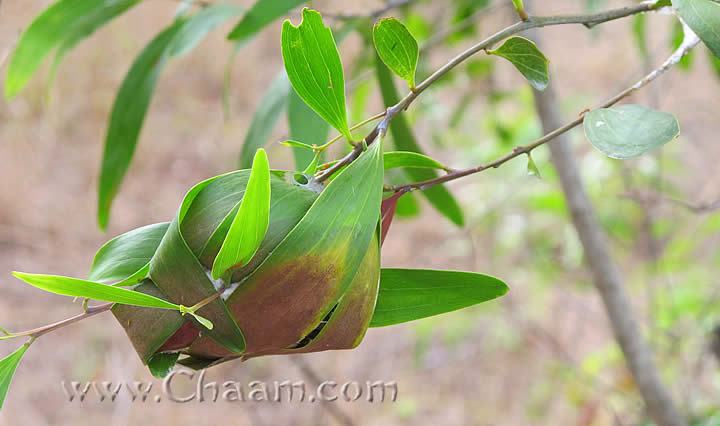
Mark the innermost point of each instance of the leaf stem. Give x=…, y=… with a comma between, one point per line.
x=325, y=146
x=201, y=304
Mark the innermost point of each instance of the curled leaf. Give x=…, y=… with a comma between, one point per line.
x=161, y=364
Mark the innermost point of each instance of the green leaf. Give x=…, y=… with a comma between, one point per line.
x=404, y=140
x=61, y=27
x=527, y=58
x=407, y=206
x=104, y=12
x=313, y=65
x=133, y=97
x=397, y=48
x=74, y=287
x=532, y=168
x=313, y=166
x=639, y=31
x=199, y=25
x=262, y=13
x=8, y=365
x=410, y=294
x=161, y=364
x=520, y=8
x=251, y=222
x=396, y=159
x=202, y=320
x=306, y=126
x=297, y=144
x=629, y=130
x=128, y=115
x=594, y=5
x=266, y=116
x=703, y=17
x=715, y=64
x=126, y=254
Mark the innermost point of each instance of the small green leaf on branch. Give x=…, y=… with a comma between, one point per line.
x=527, y=58
x=397, y=48
x=627, y=131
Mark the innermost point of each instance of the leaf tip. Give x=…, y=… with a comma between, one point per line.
x=9, y=91
x=287, y=23
x=215, y=272
x=503, y=288
x=103, y=214
x=203, y=321
x=261, y=155
x=310, y=12
x=19, y=275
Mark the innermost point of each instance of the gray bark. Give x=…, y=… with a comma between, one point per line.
x=605, y=272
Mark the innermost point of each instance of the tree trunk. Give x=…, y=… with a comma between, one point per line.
x=606, y=275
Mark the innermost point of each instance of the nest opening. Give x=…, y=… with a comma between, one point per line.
x=315, y=332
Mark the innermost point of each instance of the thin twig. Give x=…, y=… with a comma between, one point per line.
x=698, y=208
x=37, y=332
x=465, y=23
x=690, y=42
x=533, y=22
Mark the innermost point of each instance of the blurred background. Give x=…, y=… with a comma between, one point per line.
x=541, y=355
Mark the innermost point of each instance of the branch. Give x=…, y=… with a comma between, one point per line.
x=532, y=22
x=37, y=332
x=606, y=274
x=697, y=208
x=691, y=40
